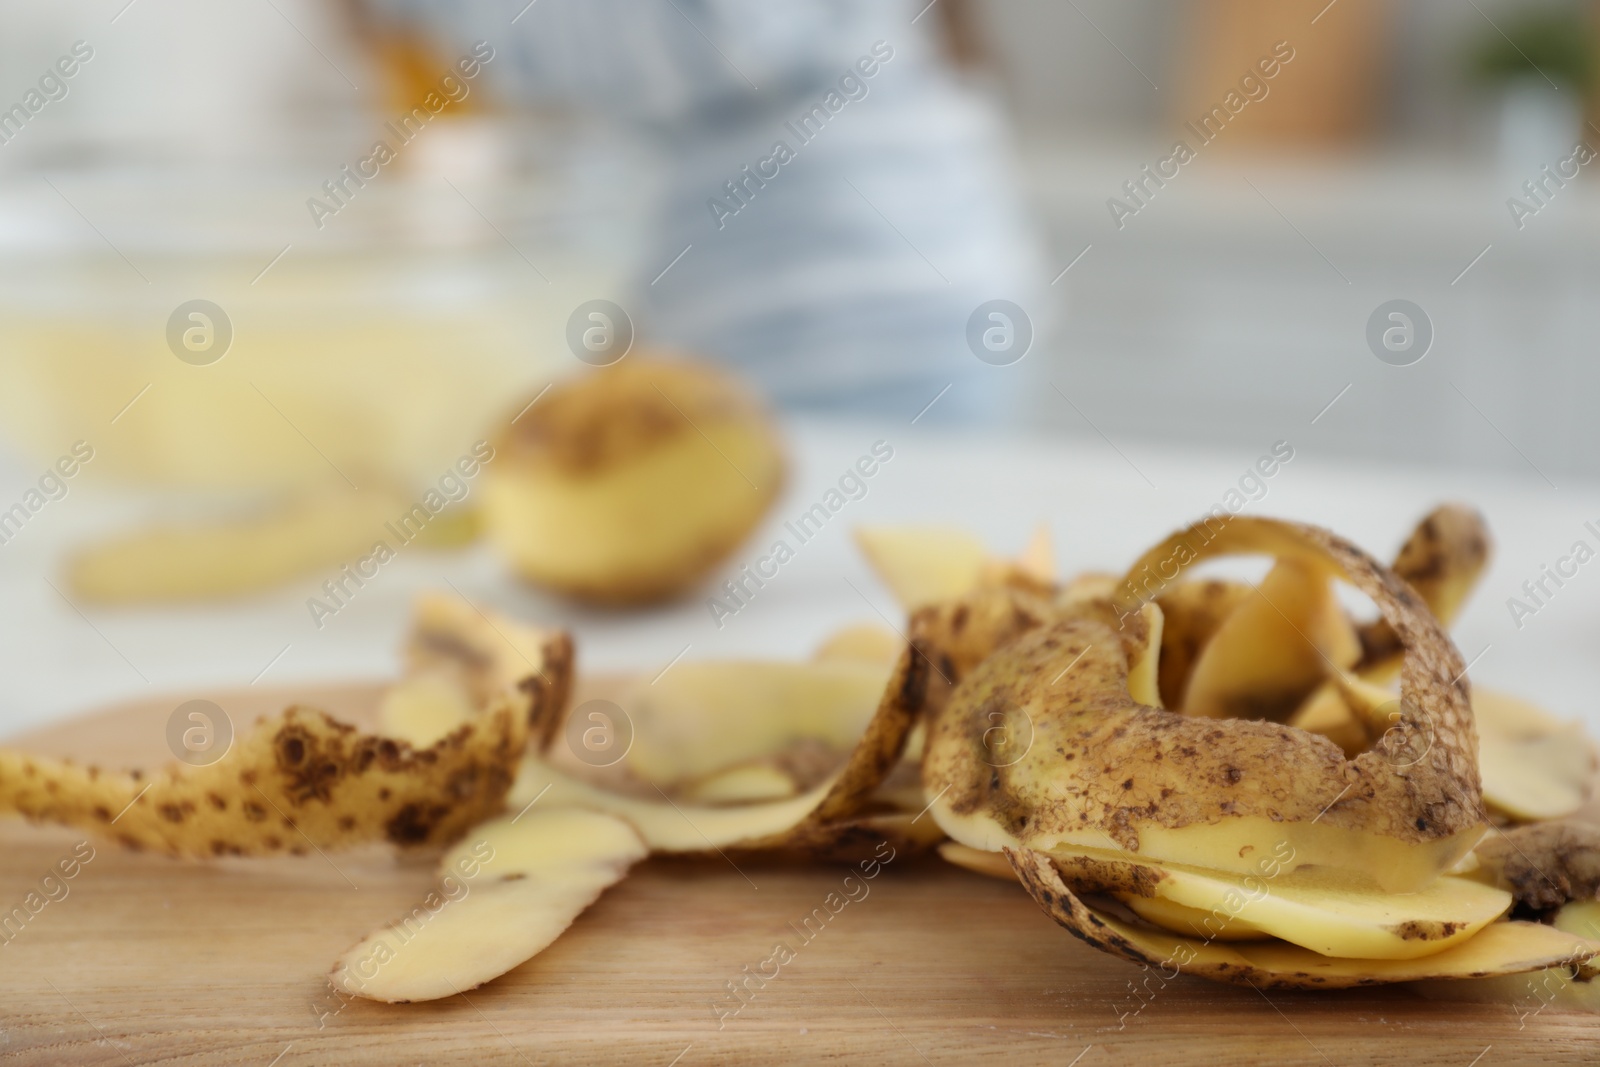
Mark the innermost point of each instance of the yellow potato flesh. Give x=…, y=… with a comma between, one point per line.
x=1274, y=648
x=664, y=825
x=1325, y=712
x=529, y=879
x=1396, y=866
x=1511, y=716
x=1534, y=766
x=992, y=864
x=1500, y=948
x=424, y=708
x=642, y=528
x=1536, y=779
x=1191, y=922
x=1530, y=994
x=1506, y=947
x=1326, y=911
x=1581, y=917
x=750, y=783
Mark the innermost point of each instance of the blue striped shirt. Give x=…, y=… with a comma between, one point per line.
x=838, y=272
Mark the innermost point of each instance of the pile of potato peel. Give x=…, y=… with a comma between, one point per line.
x=1210, y=775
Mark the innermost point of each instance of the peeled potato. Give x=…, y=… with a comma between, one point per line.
x=507, y=892
x=631, y=483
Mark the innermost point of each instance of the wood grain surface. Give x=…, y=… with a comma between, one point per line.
x=150, y=961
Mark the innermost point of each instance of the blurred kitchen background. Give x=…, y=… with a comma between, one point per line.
x=159, y=152
x=1231, y=306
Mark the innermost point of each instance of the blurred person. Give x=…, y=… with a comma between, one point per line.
x=836, y=199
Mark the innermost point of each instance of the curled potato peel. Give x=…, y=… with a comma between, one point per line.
x=1442, y=560
x=1442, y=787
x=303, y=779
x=1498, y=949
x=1273, y=649
x=1106, y=769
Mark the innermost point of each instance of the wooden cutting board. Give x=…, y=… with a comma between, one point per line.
x=150, y=961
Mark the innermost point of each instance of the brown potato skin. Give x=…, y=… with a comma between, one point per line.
x=303, y=780
x=1106, y=932
x=1544, y=865
x=1436, y=796
x=1442, y=561
x=1101, y=763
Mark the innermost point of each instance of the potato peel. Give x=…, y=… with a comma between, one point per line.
x=1442, y=561
x=702, y=718
x=833, y=819
x=1430, y=797
x=1499, y=948
x=923, y=564
x=506, y=894
x=489, y=654
x=1193, y=612
x=1319, y=910
x=303, y=780
x=1545, y=865
x=237, y=556
x=1534, y=766
x=862, y=642
x=978, y=861
x=1273, y=649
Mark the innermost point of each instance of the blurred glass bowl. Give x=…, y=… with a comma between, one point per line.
x=379, y=346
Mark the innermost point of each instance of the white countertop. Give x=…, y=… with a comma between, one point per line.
x=1103, y=507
